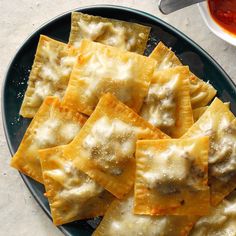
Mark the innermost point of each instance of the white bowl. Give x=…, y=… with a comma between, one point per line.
x=213, y=26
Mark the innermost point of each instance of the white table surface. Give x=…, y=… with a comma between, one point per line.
x=20, y=215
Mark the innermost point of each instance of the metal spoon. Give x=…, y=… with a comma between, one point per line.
x=168, y=6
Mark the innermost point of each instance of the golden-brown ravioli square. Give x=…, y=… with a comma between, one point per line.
x=165, y=57
x=49, y=75
x=104, y=149
x=201, y=93
x=171, y=177
x=52, y=125
x=220, y=221
x=167, y=105
x=219, y=123
x=101, y=69
x=120, y=220
x=197, y=113
x=124, y=35
x=72, y=194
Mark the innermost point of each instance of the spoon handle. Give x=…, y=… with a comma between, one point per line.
x=168, y=6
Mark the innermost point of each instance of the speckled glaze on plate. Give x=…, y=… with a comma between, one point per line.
x=58, y=28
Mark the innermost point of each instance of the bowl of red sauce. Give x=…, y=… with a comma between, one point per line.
x=220, y=17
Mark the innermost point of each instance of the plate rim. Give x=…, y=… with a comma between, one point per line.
x=161, y=22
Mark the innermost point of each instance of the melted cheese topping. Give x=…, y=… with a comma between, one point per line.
x=103, y=74
x=160, y=105
x=69, y=130
x=76, y=188
x=123, y=222
x=221, y=220
x=45, y=135
x=52, y=74
x=41, y=90
x=55, y=132
x=111, y=143
x=171, y=166
x=171, y=169
x=55, y=66
x=222, y=153
x=130, y=224
x=107, y=33
x=222, y=156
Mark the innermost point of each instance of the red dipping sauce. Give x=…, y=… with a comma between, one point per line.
x=224, y=13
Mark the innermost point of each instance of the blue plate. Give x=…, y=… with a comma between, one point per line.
x=17, y=75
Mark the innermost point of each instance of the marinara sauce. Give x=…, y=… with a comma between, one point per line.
x=224, y=13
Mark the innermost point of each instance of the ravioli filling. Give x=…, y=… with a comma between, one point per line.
x=121, y=221
x=77, y=190
x=172, y=170
x=220, y=221
x=53, y=72
x=110, y=144
x=128, y=223
x=159, y=106
x=56, y=66
x=55, y=132
x=103, y=74
x=107, y=33
x=222, y=152
x=168, y=170
x=222, y=156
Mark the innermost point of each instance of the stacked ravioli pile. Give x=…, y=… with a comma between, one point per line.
x=131, y=137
